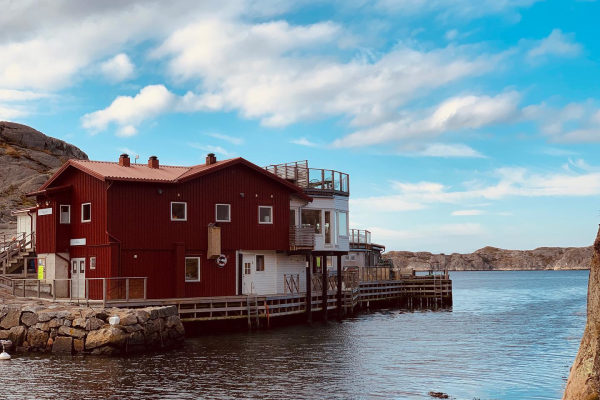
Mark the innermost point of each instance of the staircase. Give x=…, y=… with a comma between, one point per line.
x=14, y=251
x=252, y=306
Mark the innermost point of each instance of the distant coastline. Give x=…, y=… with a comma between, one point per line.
x=495, y=259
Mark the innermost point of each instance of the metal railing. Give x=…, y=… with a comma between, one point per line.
x=121, y=289
x=302, y=237
x=359, y=237
x=312, y=179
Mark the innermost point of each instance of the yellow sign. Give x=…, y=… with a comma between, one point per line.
x=41, y=264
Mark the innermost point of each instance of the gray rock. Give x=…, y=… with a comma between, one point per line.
x=94, y=323
x=179, y=328
x=17, y=335
x=105, y=336
x=55, y=323
x=133, y=328
x=63, y=344
x=37, y=338
x=29, y=318
x=73, y=332
x=44, y=326
x=172, y=321
x=12, y=318
x=79, y=323
x=142, y=316
x=136, y=338
x=48, y=314
x=127, y=318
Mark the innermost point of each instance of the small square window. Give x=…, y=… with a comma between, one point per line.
x=178, y=211
x=260, y=263
x=192, y=269
x=86, y=212
x=65, y=214
x=223, y=212
x=265, y=215
x=92, y=262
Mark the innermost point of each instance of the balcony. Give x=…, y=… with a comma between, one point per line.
x=360, y=239
x=302, y=237
x=313, y=180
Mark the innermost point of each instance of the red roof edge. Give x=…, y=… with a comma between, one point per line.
x=227, y=163
x=50, y=190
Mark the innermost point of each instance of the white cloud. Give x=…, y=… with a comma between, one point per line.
x=467, y=213
x=127, y=131
x=454, y=114
x=451, y=34
x=211, y=149
x=230, y=139
x=383, y=235
x=573, y=123
x=556, y=44
x=21, y=95
x=303, y=142
x=8, y=113
x=128, y=151
x=118, y=69
x=442, y=150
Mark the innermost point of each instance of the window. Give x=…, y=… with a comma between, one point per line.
x=292, y=217
x=260, y=263
x=65, y=214
x=343, y=224
x=327, y=227
x=192, y=269
x=86, y=212
x=223, y=212
x=178, y=211
x=265, y=215
x=312, y=218
x=92, y=262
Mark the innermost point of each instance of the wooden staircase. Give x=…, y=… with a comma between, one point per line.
x=14, y=251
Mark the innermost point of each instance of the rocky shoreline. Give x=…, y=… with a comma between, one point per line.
x=495, y=259
x=36, y=327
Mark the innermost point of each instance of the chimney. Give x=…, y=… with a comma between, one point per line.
x=124, y=160
x=153, y=162
x=210, y=158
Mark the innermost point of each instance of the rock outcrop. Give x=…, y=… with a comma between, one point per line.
x=38, y=327
x=584, y=379
x=492, y=259
x=27, y=159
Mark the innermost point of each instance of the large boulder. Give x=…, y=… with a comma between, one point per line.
x=584, y=379
x=105, y=336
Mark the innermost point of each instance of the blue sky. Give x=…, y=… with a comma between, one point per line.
x=461, y=123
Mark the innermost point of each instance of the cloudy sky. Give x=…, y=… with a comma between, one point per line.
x=461, y=123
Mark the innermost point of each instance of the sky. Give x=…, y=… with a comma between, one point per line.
x=462, y=124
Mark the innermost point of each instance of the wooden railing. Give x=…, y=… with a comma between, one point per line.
x=291, y=283
x=317, y=283
x=302, y=237
x=125, y=289
x=373, y=274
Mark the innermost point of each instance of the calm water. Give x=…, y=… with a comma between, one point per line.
x=510, y=335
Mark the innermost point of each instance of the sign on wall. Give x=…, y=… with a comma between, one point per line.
x=44, y=211
x=41, y=268
x=78, y=242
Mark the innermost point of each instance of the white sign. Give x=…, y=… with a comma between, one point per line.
x=44, y=211
x=78, y=242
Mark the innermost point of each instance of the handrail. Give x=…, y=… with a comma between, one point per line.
x=312, y=179
x=15, y=245
x=291, y=283
x=302, y=237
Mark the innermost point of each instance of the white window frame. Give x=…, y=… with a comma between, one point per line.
x=93, y=262
x=265, y=223
x=256, y=264
x=347, y=233
x=69, y=207
x=171, y=211
x=83, y=205
x=216, y=213
x=199, y=264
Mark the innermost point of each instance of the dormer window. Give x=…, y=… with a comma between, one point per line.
x=86, y=212
x=178, y=211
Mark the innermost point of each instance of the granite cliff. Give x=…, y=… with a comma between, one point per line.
x=27, y=159
x=494, y=259
x=584, y=379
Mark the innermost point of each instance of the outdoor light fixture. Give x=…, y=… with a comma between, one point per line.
x=159, y=191
x=241, y=194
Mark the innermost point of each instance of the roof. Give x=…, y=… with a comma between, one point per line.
x=112, y=171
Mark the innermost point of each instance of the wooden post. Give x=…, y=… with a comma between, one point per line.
x=54, y=289
x=339, y=287
x=24, y=295
x=145, y=288
x=127, y=289
x=325, y=287
x=308, y=289
x=38, y=288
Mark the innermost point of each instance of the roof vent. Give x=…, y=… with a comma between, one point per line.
x=211, y=158
x=153, y=162
x=124, y=160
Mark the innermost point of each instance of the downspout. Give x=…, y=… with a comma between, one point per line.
x=31, y=230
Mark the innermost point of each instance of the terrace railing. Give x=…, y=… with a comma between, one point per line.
x=374, y=274
x=360, y=238
x=291, y=284
x=11, y=246
x=302, y=237
x=314, y=180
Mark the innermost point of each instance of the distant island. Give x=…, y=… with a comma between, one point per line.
x=495, y=259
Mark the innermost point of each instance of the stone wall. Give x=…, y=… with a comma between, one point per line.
x=68, y=330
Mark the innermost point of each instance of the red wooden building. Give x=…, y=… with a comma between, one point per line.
x=117, y=219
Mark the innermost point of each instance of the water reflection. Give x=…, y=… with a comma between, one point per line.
x=510, y=335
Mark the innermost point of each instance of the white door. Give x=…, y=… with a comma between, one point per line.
x=78, y=278
x=248, y=274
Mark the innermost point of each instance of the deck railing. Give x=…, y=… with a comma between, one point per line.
x=312, y=179
x=291, y=283
x=302, y=237
x=360, y=237
x=11, y=246
x=122, y=289
x=374, y=274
